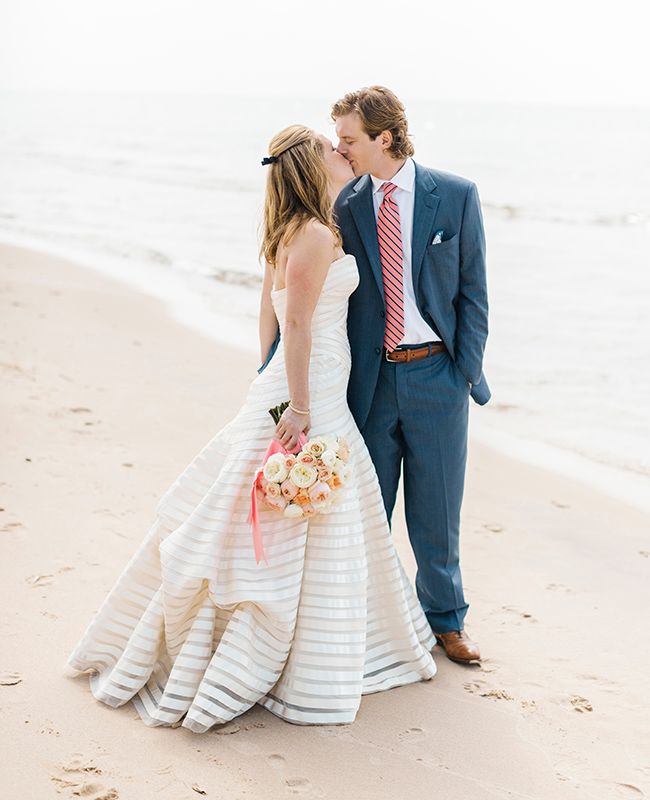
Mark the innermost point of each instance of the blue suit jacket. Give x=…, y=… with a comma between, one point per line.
x=449, y=279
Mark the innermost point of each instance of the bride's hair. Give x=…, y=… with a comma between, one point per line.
x=297, y=189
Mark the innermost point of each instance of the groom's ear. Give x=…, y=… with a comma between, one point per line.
x=386, y=138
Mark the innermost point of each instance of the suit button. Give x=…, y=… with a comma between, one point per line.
x=377, y=350
x=382, y=315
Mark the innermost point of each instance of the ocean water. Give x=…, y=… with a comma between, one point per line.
x=166, y=193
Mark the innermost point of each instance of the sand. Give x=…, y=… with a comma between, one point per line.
x=104, y=400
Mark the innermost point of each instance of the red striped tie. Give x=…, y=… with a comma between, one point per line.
x=389, y=235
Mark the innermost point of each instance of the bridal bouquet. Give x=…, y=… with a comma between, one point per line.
x=301, y=483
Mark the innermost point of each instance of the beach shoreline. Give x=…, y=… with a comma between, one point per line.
x=232, y=321
x=106, y=398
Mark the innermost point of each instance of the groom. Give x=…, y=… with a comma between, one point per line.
x=417, y=325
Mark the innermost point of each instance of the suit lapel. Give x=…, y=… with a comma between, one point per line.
x=424, y=213
x=363, y=213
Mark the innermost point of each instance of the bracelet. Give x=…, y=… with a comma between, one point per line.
x=297, y=410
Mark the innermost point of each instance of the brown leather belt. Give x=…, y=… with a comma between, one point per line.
x=414, y=353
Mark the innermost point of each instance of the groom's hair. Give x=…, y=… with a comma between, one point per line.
x=380, y=110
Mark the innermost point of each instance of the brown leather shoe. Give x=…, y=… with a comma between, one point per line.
x=459, y=647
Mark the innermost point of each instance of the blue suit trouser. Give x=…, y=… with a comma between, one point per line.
x=418, y=422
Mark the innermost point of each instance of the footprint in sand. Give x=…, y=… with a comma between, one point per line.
x=411, y=734
x=628, y=790
x=493, y=527
x=10, y=678
x=11, y=526
x=479, y=688
x=76, y=779
x=616, y=789
x=49, y=729
x=295, y=785
x=604, y=683
x=523, y=614
x=496, y=694
x=277, y=761
x=304, y=787
x=559, y=587
x=39, y=580
x=227, y=729
x=581, y=704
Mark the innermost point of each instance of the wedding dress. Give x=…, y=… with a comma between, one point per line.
x=195, y=630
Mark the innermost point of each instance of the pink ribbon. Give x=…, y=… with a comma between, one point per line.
x=253, y=517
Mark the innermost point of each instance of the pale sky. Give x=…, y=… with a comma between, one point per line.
x=573, y=52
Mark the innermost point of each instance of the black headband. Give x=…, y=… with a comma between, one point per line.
x=272, y=159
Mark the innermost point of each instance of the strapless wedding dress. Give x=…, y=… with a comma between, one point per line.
x=195, y=630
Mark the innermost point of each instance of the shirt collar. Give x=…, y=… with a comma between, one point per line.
x=404, y=179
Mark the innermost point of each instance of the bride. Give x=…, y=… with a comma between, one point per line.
x=194, y=632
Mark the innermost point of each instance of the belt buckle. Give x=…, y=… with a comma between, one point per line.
x=390, y=360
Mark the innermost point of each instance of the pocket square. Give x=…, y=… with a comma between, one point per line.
x=438, y=237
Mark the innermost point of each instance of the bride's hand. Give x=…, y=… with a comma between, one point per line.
x=290, y=426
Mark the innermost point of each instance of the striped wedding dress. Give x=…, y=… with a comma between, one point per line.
x=195, y=630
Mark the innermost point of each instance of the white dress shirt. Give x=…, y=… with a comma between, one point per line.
x=416, y=329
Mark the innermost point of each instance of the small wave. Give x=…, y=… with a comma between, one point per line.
x=513, y=212
x=167, y=173
x=234, y=278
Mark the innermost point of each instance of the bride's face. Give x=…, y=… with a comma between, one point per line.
x=338, y=168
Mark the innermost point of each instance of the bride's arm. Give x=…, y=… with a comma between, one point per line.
x=309, y=258
x=268, y=323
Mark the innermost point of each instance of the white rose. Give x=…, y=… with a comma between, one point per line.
x=275, y=469
x=293, y=511
x=303, y=475
x=330, y=442
x=337, y=467
x=328, y=458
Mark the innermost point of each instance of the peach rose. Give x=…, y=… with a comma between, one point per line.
x=276, y=503
x=315, y=447
x=306, y=458
x=335, y=482
x=324, y=474
x=319, y=492
x=288, y=489
x=272, y=490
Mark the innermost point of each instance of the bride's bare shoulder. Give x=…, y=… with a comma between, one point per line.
x=314, y=233
x=312, y=241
